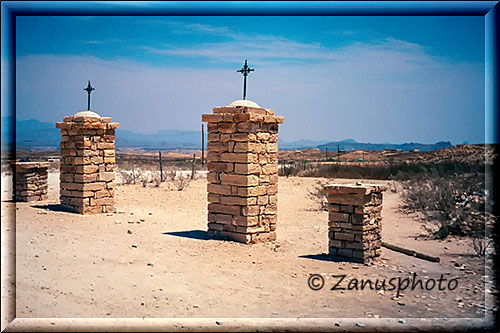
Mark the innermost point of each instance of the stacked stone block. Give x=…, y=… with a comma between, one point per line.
x=355, y=221
x=242, y=173
x=87, y=164
x=31, y=181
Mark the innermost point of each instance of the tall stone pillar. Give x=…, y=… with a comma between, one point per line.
x=242, y=172
x=355, y=221
x=87, y=163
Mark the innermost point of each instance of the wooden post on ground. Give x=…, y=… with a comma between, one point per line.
x=192, y=170
x=161, y=167
x=410, y=253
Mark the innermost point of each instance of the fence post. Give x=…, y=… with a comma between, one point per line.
x=161, y=167
x=192, y=170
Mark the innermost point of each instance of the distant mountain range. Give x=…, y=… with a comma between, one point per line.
x=348, y=145
x=37, y=135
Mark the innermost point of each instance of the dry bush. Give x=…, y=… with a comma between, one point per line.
x=169, y=175
x=456, y=203
x=480, y=245
x=131, y=176
x=143, y=178
x=318, y=193
x=393, y=187
x=383, y=171
x=287, y=170
x=300, y=169
x=126, y=177
x=156, y=179
x=174, y=179
x=181, y=182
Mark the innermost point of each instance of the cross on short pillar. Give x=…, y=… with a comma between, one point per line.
x=245, y=70
x=89, y=90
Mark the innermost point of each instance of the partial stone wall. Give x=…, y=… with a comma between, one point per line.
x=355, y=221
x=31, y=181
x=242, y=173
x=87, y=164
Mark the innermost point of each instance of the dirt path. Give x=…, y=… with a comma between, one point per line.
x=152, y=260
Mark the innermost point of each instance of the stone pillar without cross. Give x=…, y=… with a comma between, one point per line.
x=242, y=172
x=87, y=163
x=31, y=181
x=355, y=221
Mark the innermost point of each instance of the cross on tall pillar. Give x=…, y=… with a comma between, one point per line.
x=245, y=70
x=89, y=90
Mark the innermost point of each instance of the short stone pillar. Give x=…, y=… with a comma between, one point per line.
x=355, y=221
x=31, y=181
x=87, y=163
x=242, y=172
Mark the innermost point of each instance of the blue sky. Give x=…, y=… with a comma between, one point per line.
x=373, y=79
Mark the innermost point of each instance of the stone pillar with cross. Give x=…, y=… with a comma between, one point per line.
x=242, y=172
x=87, y=170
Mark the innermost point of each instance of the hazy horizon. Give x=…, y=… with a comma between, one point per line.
x=372, y=79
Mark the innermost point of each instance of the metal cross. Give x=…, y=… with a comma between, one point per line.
x=245, y=70
x=89, y=90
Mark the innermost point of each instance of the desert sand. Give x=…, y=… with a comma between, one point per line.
x=151, y=258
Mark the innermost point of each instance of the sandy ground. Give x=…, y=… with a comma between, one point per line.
x=152, y=259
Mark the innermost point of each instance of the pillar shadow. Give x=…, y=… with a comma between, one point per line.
x=326, y=257
x=54, y=208
x=193, y=234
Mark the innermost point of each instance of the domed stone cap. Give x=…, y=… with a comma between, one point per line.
x=242, y=111
x=244, y=102
x=87, y=113
x=87, y=120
